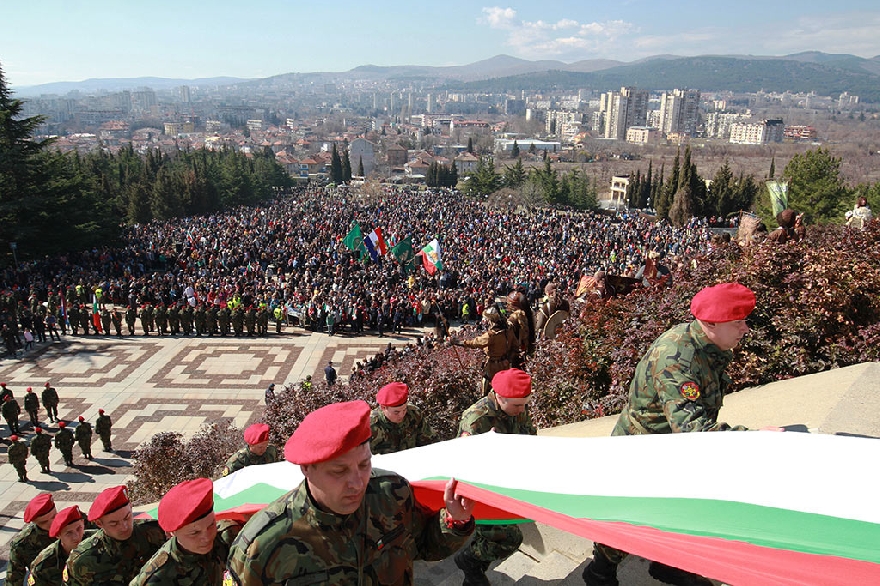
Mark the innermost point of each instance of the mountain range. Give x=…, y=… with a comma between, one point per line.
x=823, y=73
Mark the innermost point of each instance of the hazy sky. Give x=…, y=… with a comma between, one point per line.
x=70, y=40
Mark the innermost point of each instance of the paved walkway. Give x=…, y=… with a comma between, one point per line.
x=151, y=384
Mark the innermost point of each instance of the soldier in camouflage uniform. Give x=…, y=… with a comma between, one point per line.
x=250, y=321
x=499, y=344
x=130, y=319
x=68, y=530
x=146, y=317
x=397, y=425
x=73, y=318
x=678, y=386
x=103, y=426
x=200, y=320
x=161, y=318
x=197, y=551
x=50, y=401
x=11, y=410
x=223, y=319
x=32, y=539
x=64, y=442
x=238, y=321
x=263, y=321
x=186, y=320
x=119, y=549
x=83, y=435
x=32, y=406
x=40, y=447
x=106, y=320
x=346, y=523
x=258, y=451
x=174, y=319
x=116, y=318
x=503, y=410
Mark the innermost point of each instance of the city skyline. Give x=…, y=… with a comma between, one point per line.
x=54, y=41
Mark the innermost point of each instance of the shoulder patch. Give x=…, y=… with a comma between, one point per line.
x=690, y=391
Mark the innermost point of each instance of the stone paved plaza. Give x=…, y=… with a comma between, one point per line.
x=152, y=384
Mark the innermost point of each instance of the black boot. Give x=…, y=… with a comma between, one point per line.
x=474, y=569
x=600, y=572
x=676, y=576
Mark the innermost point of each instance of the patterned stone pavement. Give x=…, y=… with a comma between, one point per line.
x=152, y=384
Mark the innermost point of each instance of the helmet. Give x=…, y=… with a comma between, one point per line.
x=516, y=299
x=492, y=315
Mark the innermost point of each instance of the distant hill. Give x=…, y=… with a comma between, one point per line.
x=824, y=73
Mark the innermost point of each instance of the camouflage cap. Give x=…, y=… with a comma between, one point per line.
x=39, y=506
x=392, y=394
x=64, y=518
x=108, y=501
x=512, y=383
x=187, y=502
x=329, y=432
x=723, y=302
x=256, y=434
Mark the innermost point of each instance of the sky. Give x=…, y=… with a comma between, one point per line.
x=44, y=41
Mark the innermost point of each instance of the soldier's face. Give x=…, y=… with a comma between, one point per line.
x=260, y=448
x=44, y=522
x=71, y=535
x=394, y=414
x=512, y=407
x=119, y=524
x=339, y=485
x=198, y=536
x=726, y=335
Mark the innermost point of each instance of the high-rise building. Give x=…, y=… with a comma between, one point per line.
x=623, y=109
x=680, y=111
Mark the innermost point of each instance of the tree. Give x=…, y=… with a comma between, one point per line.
x=515, y=175
x=361, y=162
x=815, y=186
x=484, y=180
x=772, y=173
x=514, y=152
x=346, y=167
x=470, y=145
x=335, y=167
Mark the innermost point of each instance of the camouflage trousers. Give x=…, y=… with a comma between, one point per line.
x=495, y=542
x=615, y=556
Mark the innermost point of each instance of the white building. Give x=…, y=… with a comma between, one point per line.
x=763, y=132
x=680, y=111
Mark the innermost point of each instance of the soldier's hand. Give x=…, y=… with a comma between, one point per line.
x=458, y=507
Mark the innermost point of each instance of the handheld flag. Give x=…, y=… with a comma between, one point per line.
x=431, y=257
x=353, y=240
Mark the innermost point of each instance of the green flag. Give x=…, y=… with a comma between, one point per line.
x=404, y=253
x=354, y=241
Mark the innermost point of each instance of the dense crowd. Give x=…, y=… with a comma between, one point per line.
x=237, y=272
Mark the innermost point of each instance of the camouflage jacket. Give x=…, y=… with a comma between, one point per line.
x=83, y=433
x=244, y=457
x=10, y=409
x=485, y=414
x=678, y=386
x=25, y=546
x=100, y=559
x=174, y=565
x=294, y=542
x=103, y=424
x=48, y=567
x=31, y=402
x=17, y=452
x=64, y=439
x=389, y=437
x=50, y=397
x=40, y=445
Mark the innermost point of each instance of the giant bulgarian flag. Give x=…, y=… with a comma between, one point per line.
x=743, y=507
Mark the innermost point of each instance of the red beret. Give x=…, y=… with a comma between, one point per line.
x=81, y=418
x=108, y=501
x=185, y=503
x=512, y=383
x=39, y=506
x=393, y=394
x=723, y=302
x=2, y=384
x=329, y=432
x=47, y=384
x=30, y=390
x=38, y=429
x=256, y=433
x=62, y=425
x=64, y=518
x=100, y=411
x=13, y=438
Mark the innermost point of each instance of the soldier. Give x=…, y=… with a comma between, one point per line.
x=32, y=539
x=106, y=320
x=498, y=343
x=102, y=427
x=83, y=435
x=116, y=317
x=64, y=442
x=11, y=410
x=522, y=322
x=130, y=319
x=146, y=317
x=73, y=318
x=50, y=402
x=17, y=454
x=258, y=451
x=161, y=317
x=174, y=319
x=4, y=392
x=85, y=320
x=199, y=319
x=397, y=425
x=32, y=406
x=308, y=535
x=40, y=446
x=250, y=321
x=263, y=321
x=678, y=387
x=211, y=320
x=121, y=546
x=504, y=410
x=199, y=546
x=238, y=321
x=186, y=320
x=68, y=529
x=223, y=319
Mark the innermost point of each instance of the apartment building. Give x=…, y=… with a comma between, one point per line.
x=680, y=111
x=764, y=132
x=628, y=107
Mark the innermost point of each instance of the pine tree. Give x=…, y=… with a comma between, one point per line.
x=335, y=167
x=361, y=163
x=515, y=175
x=346, y=167
x=772, y=174
x=514, y=152
x=470, y=145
